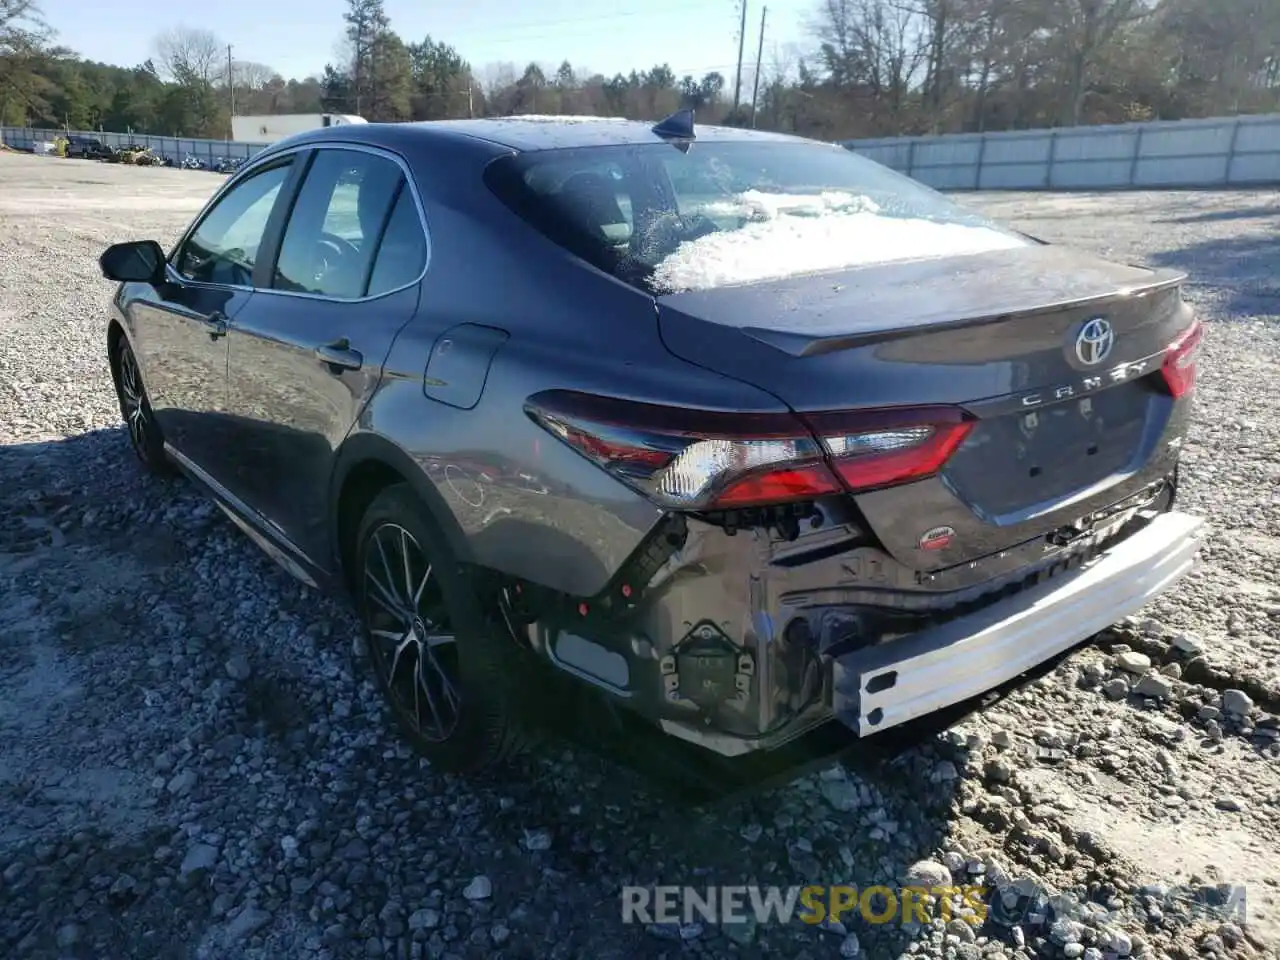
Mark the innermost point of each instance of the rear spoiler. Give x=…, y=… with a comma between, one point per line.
x=822, y=313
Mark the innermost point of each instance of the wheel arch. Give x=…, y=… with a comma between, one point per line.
x=368, y=463
x=115, y=336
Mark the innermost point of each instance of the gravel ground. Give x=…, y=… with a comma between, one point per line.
x=195, y=765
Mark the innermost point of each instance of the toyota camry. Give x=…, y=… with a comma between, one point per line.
x=739, y=434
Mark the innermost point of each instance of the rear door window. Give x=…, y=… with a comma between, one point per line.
x=402, y=251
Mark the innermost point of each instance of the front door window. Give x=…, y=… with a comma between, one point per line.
x=224, y=247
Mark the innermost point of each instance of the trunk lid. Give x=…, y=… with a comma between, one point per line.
x=1066, y=417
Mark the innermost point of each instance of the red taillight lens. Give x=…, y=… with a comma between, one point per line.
x=711, y=460
x=886, y=447
x=1179, y=368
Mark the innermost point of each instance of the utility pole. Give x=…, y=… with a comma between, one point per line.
x=358, y=41
x=759, y=56
x=231, y=92
x=742, y=36
x=471, y=104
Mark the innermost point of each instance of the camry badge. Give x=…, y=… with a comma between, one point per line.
x=1094, y=341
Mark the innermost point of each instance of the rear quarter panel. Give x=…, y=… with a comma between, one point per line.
x=524, y=503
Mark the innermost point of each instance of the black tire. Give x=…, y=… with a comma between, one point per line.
x=135, y=408
x=482, y=662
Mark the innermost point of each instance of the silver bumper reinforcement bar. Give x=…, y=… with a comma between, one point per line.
x=881, y=687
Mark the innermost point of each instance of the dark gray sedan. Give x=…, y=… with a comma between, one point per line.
x=745, y=435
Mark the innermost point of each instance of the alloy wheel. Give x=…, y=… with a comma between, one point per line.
x=136, y=409
x=411, y=640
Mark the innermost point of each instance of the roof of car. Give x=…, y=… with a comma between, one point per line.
x=529, y=133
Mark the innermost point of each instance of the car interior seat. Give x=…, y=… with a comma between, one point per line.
x=592, y=201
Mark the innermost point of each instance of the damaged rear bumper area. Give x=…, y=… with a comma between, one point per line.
x=743, y=642
x=883, y=686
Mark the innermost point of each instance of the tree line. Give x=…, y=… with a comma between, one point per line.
x=874, y=68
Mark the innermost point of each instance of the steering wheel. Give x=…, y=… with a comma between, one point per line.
x=332, y=251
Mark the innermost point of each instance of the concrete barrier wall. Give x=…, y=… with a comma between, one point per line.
x=1223, y=152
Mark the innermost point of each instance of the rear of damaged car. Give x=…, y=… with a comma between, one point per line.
x=959, y=460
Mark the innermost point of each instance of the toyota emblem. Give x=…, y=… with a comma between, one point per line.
x=1094, y=342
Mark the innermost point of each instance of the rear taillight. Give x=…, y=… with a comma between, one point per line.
x=684, y=459
x=1179, y=367
x=884, y=447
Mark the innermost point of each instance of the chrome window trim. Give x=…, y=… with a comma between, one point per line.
x=257, y=166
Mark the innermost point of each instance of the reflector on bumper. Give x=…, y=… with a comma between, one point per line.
x=881, y=687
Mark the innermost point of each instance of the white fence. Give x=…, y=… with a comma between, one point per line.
x=1226, y=152
x=175, y=148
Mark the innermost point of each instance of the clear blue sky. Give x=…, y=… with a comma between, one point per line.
x=297, y=37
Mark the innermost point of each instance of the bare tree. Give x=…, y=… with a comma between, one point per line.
x=875, y=45
x=779, y=74
x=1000, y=47
x=986, y=19
x=247, y=75
x=948, y=29
x=190, y=56
x=783, y=58
x=1085, y=30
x=836, y=28
x=496, y=76
x=1225, y=53
x=20, y=24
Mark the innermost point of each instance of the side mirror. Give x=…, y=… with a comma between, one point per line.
x=138, y=261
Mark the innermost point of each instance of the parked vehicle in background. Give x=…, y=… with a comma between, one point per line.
x=86, y=148
x=135, y=154
x=745, y=435
x=268, y=128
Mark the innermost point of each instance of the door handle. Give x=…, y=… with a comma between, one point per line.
x=339, y=356
x=216, y=324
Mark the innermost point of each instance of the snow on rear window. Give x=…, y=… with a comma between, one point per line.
x=761, y=205
x=733, y=211
x=789, y=235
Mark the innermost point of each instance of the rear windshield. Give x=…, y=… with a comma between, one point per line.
x=736, y=212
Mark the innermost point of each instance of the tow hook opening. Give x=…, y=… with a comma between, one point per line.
x=1088, y=525
x=882, y=681
x=1065, y=536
